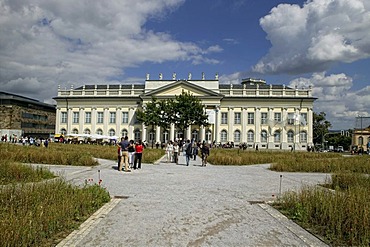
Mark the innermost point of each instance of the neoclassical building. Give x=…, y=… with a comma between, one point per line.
x=252, y=112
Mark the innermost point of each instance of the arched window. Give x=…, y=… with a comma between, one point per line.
x=277, y=136
x=290, y=135
x=263, y=136
x=223, y=136
x=250, y=136
x=99, y=132
x=237, y=136
x=361, y=141
x=112, y=132
x=124, y=132
x=75, y=131
x=208, y=136
x=303, y=136
x=63, y=131
x=194, y=135
x=87, y=131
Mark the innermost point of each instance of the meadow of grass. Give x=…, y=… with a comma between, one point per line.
x=292, y=161
x=41, y=214
x=341, y=217
x=68, y=154
x=11, y=172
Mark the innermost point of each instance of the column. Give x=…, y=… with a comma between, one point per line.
x=105, y=121
x=257, y=132
x=297, y=124
x=131, y=115
x=270, y=135
x=188, y=133
x=309, y=125
x=217, y=124
x=57, y=121
x=93, y=120
x=172, y=132
x=69, y=120
x=143, y=136
x=81, y=120
x=118, y=121
x=244, y=125
x=202, y=133
x=284, y=137
x=158, y=134
x=230, y=124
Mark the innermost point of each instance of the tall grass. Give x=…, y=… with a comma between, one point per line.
x=342, y=217
x=68, y=154
x=40, y=214
x=292, y=161
x=11, y=172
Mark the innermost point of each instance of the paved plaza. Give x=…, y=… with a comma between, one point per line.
x=176, y=205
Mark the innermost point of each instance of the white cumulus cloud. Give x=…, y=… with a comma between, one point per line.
x=44, y=43
x=336, y=97
x=313, y=37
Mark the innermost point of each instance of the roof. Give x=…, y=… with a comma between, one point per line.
x=249, y=86
x=114, y=86
x=19, y=98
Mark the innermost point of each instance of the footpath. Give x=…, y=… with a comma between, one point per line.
x=177, y=205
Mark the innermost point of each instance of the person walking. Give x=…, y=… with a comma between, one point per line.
x=205, y=153
x=124, y=148
x=139, y=148
x=187, y=148
x=119, y=157
x=169, y=151
x=176, y=153
x=131, y=153
x=195, y=150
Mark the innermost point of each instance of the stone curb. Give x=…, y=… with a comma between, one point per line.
x=297, y=230
x=77, y=235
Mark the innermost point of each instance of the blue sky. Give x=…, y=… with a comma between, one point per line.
x=322, y=43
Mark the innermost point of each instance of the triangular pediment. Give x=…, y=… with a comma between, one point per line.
x=176, y=88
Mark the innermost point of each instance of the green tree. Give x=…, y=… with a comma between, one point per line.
x=339, y=140
x=188, y=110
x=183, y=111
x=320, y=127
x=150, y=115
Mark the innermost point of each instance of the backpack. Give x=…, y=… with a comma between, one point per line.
x=188, y=149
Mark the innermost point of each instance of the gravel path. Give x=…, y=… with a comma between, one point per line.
x=178, y=205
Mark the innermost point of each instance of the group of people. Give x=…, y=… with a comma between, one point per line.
x=129, y=153
x=190, y=150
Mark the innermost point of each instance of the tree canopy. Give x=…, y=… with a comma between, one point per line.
x=182, y=111
x=320, y=127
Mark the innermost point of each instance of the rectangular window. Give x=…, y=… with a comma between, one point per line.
x=100, y=117
x=250, y=118
x=237, y=118
x=277, y=116
x=223, y=117
x=124, y=117
x=76, y=117
x=63, y=118
x=88, y=117
x=303, y=118
x=263, y=117
x=291, y=118
x=112, y=117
